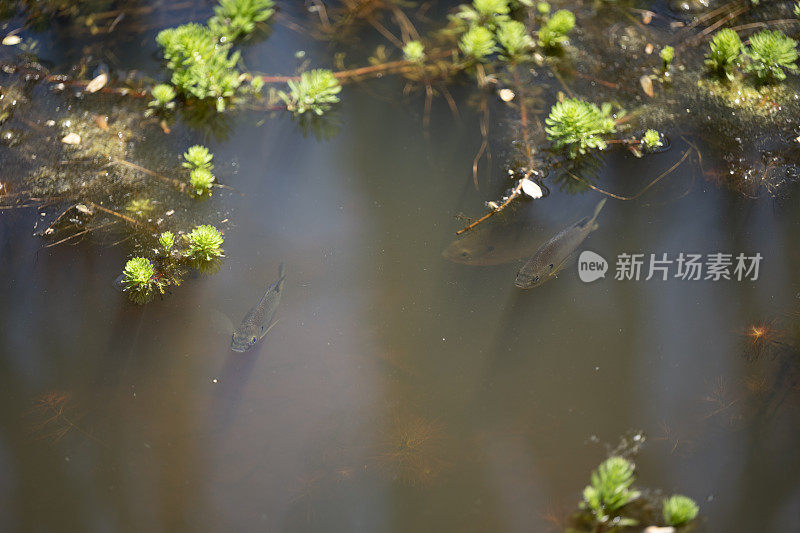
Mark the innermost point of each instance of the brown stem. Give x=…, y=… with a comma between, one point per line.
x=513, y=196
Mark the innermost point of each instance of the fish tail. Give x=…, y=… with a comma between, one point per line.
x=281, y=277
x=592, y=222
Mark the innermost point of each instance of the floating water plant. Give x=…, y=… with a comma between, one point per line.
x=554, y=31
x=163, y=96
x=166, y=240
x=237, y=18
x=204, y=244
x=610, y=490
x=477, y=43
x=201, y=179
x=414, y=51
x=198, y=156
x=679, y=510
x=316, y=91
x=724, y=51
x=651, y=140
x=579, y=125
x=202, y=66
x=667, y=54
x=138, y=279
x=769, y=54
x=514, y=38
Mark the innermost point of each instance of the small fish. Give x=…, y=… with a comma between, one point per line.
x=551, y=256
x=495, y=243
x=258, y=320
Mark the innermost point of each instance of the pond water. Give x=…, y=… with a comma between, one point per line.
x=398, y=391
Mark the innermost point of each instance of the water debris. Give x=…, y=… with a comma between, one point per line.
x=413, y=451
x=506, y=95
x=647, y=85
x=12, y=40
x=531, y=188
x=553, y=255
x=97, y=83
x=259, y=320
x=71, y=138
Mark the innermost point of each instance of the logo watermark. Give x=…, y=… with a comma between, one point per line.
x=591, y=266
x=684, y=266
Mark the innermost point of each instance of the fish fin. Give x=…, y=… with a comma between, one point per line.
x=598, y=208
x=281, y=277
x=595, y=226
x=269, y=328
x=220, y=322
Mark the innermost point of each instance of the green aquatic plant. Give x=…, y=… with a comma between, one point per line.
x=163, y=96
x=554, y=31
x=477, y=43
x=796, y=9
x=724, y=50
x=201, y=180
x=579, y=125
x=315, y=91
x=769, y=53
x=610, y=490
x=491, y=8
x=237, y=18
x=166, y=240
x=679, y=510
x=651, y=140
x=514, y=38
x=204, y=244
x=543, y=8
x=202, y=66
x=138, y=279
x=667, y=54
x=414, y=51
x=484, y=13
x=198, y=156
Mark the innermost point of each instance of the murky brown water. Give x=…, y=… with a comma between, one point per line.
x=398, y=391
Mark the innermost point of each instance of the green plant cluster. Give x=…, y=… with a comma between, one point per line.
x=414, y=51
x=163, y=96
x=554, y=30
x=198, y=161
x=667, y=54
x=141, y=279
x=579, y=125
x=486, y=27
x=610, y=490
x=651, y=140
x=769, y=55
x=316, y=91
x=237, y=18
x=679, y=510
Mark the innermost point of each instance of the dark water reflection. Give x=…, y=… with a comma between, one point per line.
x=380, y=341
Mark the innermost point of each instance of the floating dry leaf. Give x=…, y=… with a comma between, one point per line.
x=98, y=83
x=647, y=85
x=71, y=138
x=648, y=49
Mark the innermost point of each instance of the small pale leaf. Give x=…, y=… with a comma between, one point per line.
x=71, y=138
x=11, y=40
x=98, y=83
x=647, y=85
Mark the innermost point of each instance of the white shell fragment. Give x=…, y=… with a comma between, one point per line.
x=71, y=138
x=530, y=188
x=506, y=95
x=98, y=83
x=11, y=40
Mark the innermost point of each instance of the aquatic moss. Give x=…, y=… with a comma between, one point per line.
x=477, y=43
x=198, y=156
x=137, y=278
x=724, y=50
x=491, y=8
x=610, y=490
x=201, y=180
x=651, y=140
x=163, y=96
x=514, y=38
x=316, y=91
x=414, y=51
x=237, y=18
x=166, y=240
x=204, y=243
x=579, y=125
x=201, y=65
x=769, y=53
x=679, y=510
x=667, y=54
x=554, y=31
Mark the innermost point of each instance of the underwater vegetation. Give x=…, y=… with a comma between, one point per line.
x=412, y=451
x=611, y=503
x=54, y=416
